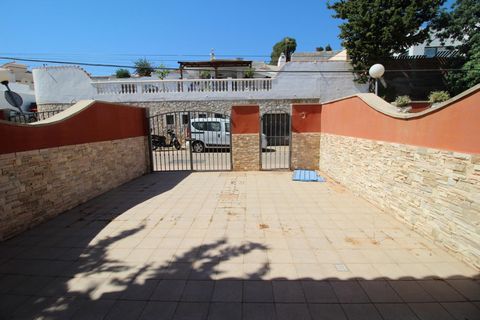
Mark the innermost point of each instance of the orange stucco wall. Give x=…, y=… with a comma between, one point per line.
x=99, y=122
x=306, y=118
x=455, y=127
x=245, y=119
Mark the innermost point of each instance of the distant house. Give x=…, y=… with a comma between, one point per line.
x=320, y=56
x=432, y=48
x=421, y=69
x=21, y=82
x=216, y=69
x=20, y=72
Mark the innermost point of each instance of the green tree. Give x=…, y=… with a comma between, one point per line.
x=462, y=23
x=287, y=45
x=122, y=73
x=328, y=47
x=319, y=49
x=143, y=68
x=376, y=29
x=162, y=72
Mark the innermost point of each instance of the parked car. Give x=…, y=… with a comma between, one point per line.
x=212, y=133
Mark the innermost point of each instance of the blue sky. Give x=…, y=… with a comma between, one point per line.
x=120, y=31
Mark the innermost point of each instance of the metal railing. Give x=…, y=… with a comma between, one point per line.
x=29, y=117
x=121, y=87
x=276, y=130
x=190, y=140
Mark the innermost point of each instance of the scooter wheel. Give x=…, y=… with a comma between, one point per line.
x=177, y=145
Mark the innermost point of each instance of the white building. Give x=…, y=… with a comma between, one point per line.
x=432, y=48
x=21, y=82
x=293, y=82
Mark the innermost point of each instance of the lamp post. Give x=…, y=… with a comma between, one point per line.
x=10, y=96
x=376, y=72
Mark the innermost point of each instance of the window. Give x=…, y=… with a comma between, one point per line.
x=199, y=125
x=202, y=115
x=185, y=118
x=431, y=52
x=170, y=119
x=214, y=126
x=227, y=127
x=219, y=116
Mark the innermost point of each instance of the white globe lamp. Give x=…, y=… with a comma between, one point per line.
x=376, y=72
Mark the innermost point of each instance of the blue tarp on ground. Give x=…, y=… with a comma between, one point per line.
x=306, y=175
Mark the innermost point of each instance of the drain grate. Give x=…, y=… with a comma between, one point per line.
x=341, y=267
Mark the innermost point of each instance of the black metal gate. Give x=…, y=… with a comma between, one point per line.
x=275, y=141
x=190, y=140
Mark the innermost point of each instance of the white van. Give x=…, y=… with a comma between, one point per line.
x=212, y=133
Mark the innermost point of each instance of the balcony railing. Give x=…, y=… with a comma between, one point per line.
x=181, y=86
x=29, y=117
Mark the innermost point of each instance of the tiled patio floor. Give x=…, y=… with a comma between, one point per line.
x=230, y=246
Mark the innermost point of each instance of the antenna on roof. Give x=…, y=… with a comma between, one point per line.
x=212, y=54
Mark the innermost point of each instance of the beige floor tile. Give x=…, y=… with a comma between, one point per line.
x=256, y=256
x=309, y=271
x=139, y=255
x=328, y=256
x=303, y=256
x=336, y=271
x=390, y=270
x=363, y=271
x=402, y=256
x=170, y=242
x=226, y=271
x=245, y=227
x=416, y=270
x=279, y=256
x=456, y=270
x=284, y=271
x=376, y=256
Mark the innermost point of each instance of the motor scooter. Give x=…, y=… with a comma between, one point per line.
x=161, y=141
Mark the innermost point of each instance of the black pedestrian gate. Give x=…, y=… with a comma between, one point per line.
x=275, y=139
x=190, y=140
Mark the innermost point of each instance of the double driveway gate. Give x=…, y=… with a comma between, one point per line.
x=200, y=141
x=190, y=140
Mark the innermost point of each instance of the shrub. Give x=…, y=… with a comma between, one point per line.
x=143, y=68
x=162, y=72
x=402, y=101
x=249, y=73
x=205, y=74
x=438, y=96
x=122, y=73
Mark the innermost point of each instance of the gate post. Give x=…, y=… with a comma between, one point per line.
x=148, y=119
x=245, y=138
x=305, y=144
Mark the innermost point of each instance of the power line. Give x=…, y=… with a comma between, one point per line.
x=134, y=54
x=199, y=69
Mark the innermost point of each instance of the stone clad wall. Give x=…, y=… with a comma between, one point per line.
x=245, y=137
x=52, y=165
x=246, y=152
x=40, y=184
x=424, y=167
x=305, y=150
x=435, y=192
x=306, y=128
x=219, y=106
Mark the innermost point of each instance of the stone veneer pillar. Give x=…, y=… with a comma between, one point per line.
x=305, y=144
x=245, y=137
